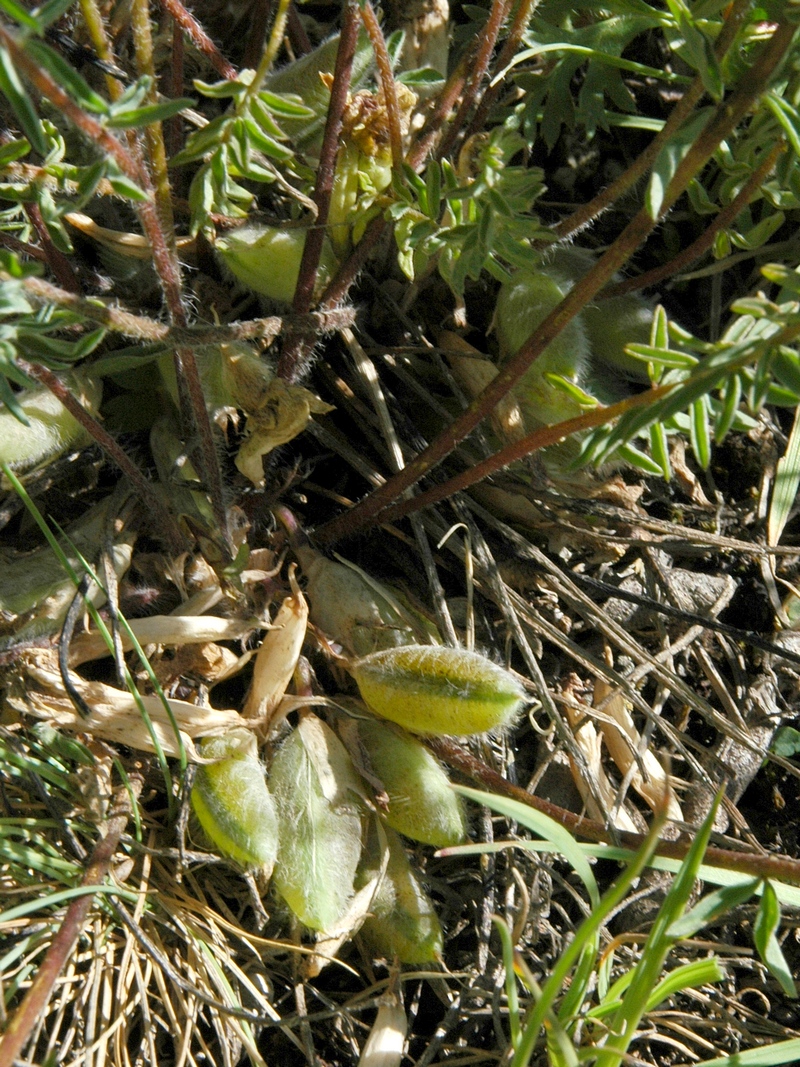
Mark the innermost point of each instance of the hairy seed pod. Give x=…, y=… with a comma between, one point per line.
x=51, y=429
x=360, y=614
x=440, y=691
x=267, y=259
x=422, y=805
x=232, y=803
x=614, y=323
x=315, y=785
x=403, y=921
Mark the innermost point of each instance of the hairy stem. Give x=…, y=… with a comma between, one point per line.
x=387, y=83
x=295, y=353
x=586, y=213
x=199, y=38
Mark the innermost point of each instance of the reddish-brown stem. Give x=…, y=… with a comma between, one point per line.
x=704, y=242
x=173, y=129
x=758, y=865
x=199, y=38
x=445, y=102
x=115, y=453
x=532, y=442
x=144, y=329
x=387, y=84
x=606, y=197
x=726, y=118
x=32, y=1008
x=520, y=21
x=339, y=285
x=294, y=354
x=58, y=262
x=483, y=56
x=297, y=33
x=256, y=33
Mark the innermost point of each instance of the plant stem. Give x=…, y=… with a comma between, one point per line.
x=704, y=242
x=520, y=21
x=479, y=67
x=512, y=453
x=144, y=329
x=199, y=38
x=387, y=83
x=296, y=349
x=728, y=115
x=758, y=865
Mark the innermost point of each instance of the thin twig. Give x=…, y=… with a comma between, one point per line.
x=199, y=38
x=758, y=865
x=292, y=362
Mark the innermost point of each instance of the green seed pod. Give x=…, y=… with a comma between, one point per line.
x=267, y=259
x=422, y=804
x=614, y=323
x=315, y=788
x=438, y=691
x=402, y=921
x=232, y=803
x=51, y=430
x=522, y=305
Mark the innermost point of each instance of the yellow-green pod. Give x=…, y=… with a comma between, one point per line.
x=422, y=805
x=614, y=323
x=439, y=691
x=267, y=259
x=402, y=921
x=313, y=780
x=51, y=429
x=232, y=803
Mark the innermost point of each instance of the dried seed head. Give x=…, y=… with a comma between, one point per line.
x=434, y=690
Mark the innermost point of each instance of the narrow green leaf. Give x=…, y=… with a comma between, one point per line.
x=770, y=1055
x=545, y=827
x=18, y=13
x=712, y=906
x=787, y=116
x=14, y=150
x=659, y=449
x=731, y=397
x=14, y=91
x=764, y=929
x=221, y=90
x=150, y=113
x=122, y=184
x=700, y=432
x=67, y=77
x=289, y=107
x=47, y=14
